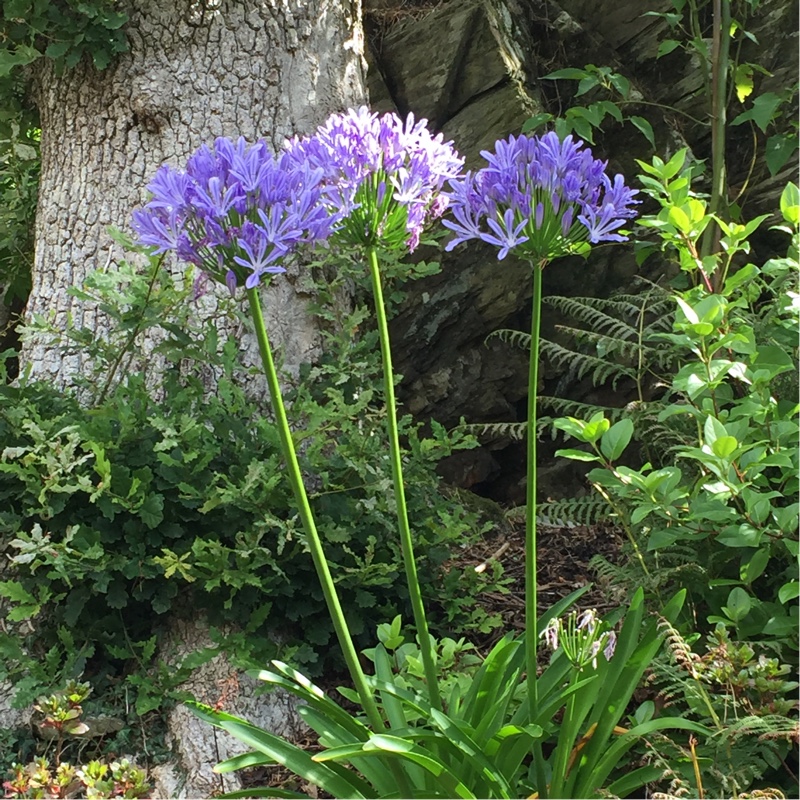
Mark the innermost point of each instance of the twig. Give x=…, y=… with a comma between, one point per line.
x=493, y=557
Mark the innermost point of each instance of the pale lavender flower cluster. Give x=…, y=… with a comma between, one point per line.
x=384, y=175
x=540, y=196
x=581, y=638
x=235, y=211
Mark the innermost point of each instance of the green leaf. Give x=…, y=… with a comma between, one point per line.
x=621, y=84
x=789, y=591
x=790, y=203
x=743, y=80
x=666, y=47
x=616, y=439
x=755, y=566
x=288, y=755
x=739, y=604
x=595, y=428
x=774, y=359
x=713, y=429
x=566, y=74
x=57, y=49
x=645, y=128
x=743, y=535
x=152, y=510
x=577, y=455
x=19, y=57
x=17, y=593
x=587, y=84
x=778, y=150
x=679, y=218
x=725, y=446
x=762, y=111
x=536, y=121
x=101, y=59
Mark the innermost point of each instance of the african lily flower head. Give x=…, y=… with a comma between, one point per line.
x=540, y=198
x=581, y=637
x=384, y=175
x=236, y=211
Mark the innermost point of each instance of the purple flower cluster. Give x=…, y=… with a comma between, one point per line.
x=235, y=211
x=541, y=196
x=384, y=176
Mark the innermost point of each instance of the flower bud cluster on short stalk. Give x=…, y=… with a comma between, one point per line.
x=581, y=637
x=540, y=197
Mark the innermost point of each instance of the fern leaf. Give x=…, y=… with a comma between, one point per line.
x=516, y=338
x=587, y=510
x=581, y=364
x=496, y=430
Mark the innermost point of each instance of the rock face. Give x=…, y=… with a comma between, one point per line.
x=473, y=69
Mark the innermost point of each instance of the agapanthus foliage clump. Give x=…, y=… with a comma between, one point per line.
x=541, y=197
x=236, y=211
x=384, y=176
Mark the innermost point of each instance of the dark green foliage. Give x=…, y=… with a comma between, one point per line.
x=172, y=498
x=19, y=177
x=61, y=30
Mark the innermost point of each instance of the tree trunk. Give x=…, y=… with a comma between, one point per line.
x=197, y=69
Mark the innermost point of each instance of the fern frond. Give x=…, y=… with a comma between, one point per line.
x=587, y=510
x=610, y=346
x=581, y=364
x=591, y=311
x=496, y=430
x=516, y=338
x=769, y=726
x=680, y=652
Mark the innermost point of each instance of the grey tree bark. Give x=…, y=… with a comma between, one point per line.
x=197, y=69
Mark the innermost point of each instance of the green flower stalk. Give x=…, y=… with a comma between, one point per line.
x=235, y=211
x=540, y=198
x=385, y=177
x=307, y=518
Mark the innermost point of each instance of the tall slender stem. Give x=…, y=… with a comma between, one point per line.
x=719, y=99
x=314, y=542
x=531, y=594
x=406, y=542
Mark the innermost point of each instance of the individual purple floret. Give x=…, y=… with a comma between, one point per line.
x=384, y=176
x=235, y=211
x=541, y=198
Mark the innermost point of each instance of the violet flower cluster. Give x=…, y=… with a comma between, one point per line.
x=541, y=197
x=384, y=176
x=236, y=211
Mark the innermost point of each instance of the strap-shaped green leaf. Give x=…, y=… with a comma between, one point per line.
x=383, y=745
x=475, y=762
x=614, y=753
x=333, y=735
x=288, y=755
x=243, y=761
